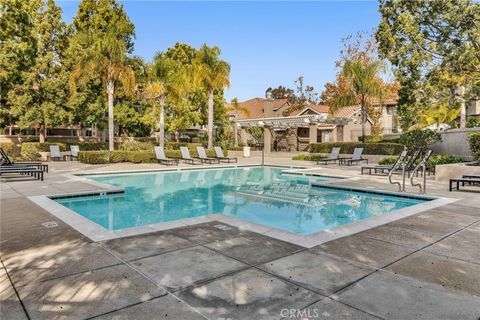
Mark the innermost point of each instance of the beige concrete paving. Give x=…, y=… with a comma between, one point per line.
x=422, y=267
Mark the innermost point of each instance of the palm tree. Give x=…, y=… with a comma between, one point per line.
x=107, y=56
x=212, y=74
x=237, y=109
x=165, y=77
x=365, y=86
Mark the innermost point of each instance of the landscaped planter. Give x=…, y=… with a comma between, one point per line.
x=446, y=172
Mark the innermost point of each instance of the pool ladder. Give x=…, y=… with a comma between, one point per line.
x=423, y=166
x=399, y=164
x=403, y=163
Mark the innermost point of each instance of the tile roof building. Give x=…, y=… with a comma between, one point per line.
x=298, y=138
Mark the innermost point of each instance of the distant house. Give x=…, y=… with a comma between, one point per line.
x=293, y=139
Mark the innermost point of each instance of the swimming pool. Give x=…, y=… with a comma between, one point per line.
x=262, y=195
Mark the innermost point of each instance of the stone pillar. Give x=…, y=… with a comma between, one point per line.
x=243, y=136
x=312, y=133
x=267, y=139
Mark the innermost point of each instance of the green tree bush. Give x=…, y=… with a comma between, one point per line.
x=419, y=139
x=474, y=142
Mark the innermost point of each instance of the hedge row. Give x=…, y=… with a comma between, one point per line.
x=309, y=157
x=117, y=156
x=434, y=160
x=31, y=150
x=348, y=147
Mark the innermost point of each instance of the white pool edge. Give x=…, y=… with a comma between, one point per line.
x=97, y=233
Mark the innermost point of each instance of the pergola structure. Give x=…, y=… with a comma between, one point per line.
x=292, y=122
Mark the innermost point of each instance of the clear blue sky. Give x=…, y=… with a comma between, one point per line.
x=266, y=43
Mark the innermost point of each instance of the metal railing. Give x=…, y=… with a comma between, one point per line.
x=423, y=166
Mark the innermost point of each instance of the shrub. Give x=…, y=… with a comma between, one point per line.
x=117, y=156
x=474, y=142
x=140, y=156
x=90, y=145
x=8, y=147
x=31, y=150
x=419, y=139
x=135, y=146
x=387, y=161
x=309, y=157
x=438, y=159
x=94, y=157
x=348, y=147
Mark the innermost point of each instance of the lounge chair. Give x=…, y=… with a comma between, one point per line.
x=55, y=153
x=219, y=155
x=161, y=158
x=202, y=155
x=356, y=157
x=74, y=150
x=187, y=158
x=31, y=171
x=332, y=157
x=465, y=179
x=7, y=162
x=382, y=168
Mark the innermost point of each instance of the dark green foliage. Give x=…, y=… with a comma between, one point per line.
x=419, y=139
x=8, y=147
x=31, y=150
x=348, y=147
x=387, y=161
x=144, y=156
x=94, y=157
x=135, y=146
x=474, y=142
x=309, y=157
x=438, y=159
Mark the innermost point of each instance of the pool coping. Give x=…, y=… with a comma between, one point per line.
x=97, y=233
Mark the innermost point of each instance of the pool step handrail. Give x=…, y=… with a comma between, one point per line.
x=423, y=165
x=401, y=163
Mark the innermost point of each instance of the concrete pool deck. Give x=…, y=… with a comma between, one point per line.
x=424, y=266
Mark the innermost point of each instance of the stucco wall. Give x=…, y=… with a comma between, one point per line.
x=455, y=142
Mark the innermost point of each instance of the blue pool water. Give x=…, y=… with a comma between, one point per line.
x=262, y=195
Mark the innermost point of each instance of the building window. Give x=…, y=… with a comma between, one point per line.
x=390, y=110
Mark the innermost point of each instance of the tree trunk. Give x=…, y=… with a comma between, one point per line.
x=111, y=137
x=364, y=120
x=42, y=133
x=460, y=93
x=235, y=131
x=161, y=122
x=210, y=119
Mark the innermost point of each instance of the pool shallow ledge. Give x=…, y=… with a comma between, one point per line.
x=97, y=233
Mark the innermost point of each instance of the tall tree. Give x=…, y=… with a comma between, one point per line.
x=166, y=76
x=365, y=87
x=40, y=97
x=213, y=74
x=17, y=50
x=106, y=35
x=431, y=44
x=237, y=109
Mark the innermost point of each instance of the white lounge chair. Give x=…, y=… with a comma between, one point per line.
x=356, y=157
x=221, y=157
x=187, y=158
x=161, y=158
x=74, y=150
x=55, y=153
x=202, y=155
x=333, y=157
